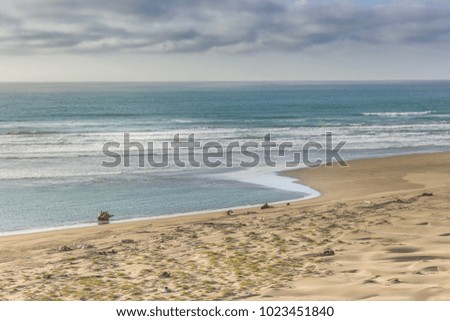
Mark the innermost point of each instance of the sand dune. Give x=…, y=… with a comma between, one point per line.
x=380, y=231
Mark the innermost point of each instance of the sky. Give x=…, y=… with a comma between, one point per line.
x=229, y=40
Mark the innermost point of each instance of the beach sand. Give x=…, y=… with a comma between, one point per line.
x=380, y=231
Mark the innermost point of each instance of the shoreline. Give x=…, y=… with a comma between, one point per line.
x=289, y=174
x=278, y=181
x=382, y=223
x=294, y=174
x=151, y=218
x=172, y=215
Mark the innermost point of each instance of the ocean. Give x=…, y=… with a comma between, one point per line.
x=52, y=139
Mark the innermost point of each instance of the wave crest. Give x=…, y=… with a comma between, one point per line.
x=399, y=114
x=27, y=133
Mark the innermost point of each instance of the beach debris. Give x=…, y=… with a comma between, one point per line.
x=265, y=206
x=188, y=231
x=47, y=276
x=229, y=212
x=166, y=290
x=396, y=200
x=64, y=248
x=395, y=281
x=328, y=252
x=288, y=204
x=107, y=252
x=165, y=237
x=375, y=206
x=143, y=232
x=164, y=275
x=224, y=225
x=104, y=216
x=252, y=235
x=83, y=246
x=128, y=241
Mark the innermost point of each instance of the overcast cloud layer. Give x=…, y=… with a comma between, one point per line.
x=86, y=26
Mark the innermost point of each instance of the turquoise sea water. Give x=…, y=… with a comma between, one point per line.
x=51, y=138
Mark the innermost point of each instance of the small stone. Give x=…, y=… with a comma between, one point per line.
x=107, y=252
x=166, y=290
x=128, y=241
x=83, y=246
x=164, y=275
x=328, y=252
x=395, y=281
x=64, y=248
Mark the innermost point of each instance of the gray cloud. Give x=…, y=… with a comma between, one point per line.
x=199, y=25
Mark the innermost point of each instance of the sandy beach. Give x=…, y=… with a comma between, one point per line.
x=379, y=231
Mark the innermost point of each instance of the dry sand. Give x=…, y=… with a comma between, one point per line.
x=380, y=231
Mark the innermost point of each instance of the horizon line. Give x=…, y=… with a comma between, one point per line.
x=220, y=81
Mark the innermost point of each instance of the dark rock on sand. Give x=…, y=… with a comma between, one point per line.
x=265, y=206
x=164, y=275
x=107, y=252
x=128, y=241
x=166, y=290
x=64, y=248
x=328, y=252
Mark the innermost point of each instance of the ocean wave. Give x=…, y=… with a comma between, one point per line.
x=399, y=114
x=185, y=121
x=27, y=133
x=442, y=115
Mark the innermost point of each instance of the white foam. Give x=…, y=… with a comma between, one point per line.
x=48, y=229
x=268, y=177
x=399, y=114
x=80, y=154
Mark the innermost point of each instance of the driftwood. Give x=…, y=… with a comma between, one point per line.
x=104, y=216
